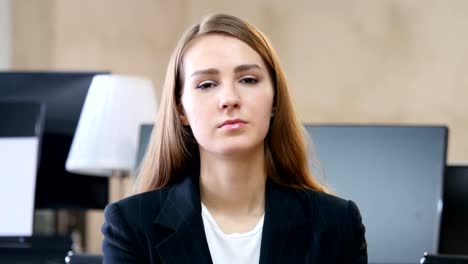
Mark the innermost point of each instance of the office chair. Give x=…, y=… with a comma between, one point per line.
x=82, y=258
x=443, y=259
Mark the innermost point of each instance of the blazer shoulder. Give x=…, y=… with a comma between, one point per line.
x=325, y=202
x=331, y=209
x=343, y=219
x=138, y=208
x=128, y=225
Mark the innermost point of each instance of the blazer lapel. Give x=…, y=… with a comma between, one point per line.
x=180, y=219
x=287, y=227
x=286, y=230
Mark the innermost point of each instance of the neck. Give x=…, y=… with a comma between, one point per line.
x=233, y=185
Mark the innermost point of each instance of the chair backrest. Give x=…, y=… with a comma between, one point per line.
x=444, y=259
x=21, y=125
x=454, y=229
x=73, y=258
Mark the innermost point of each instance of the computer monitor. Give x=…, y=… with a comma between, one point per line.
x=64, y=94
x=143, y=141
x=394, y=174
x=454, y=229
x=21, y=125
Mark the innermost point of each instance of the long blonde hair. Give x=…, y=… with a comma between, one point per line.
x=172, y=146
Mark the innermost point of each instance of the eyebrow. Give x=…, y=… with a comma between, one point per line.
x=237, y=69
x=246, y=67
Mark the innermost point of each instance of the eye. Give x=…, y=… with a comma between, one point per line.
x=205, y=85
x=249, y=80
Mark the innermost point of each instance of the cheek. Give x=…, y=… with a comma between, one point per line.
x=263, y=103
x=188, y=104
x=196, y=113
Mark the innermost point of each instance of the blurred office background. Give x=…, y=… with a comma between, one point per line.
x=363, y=61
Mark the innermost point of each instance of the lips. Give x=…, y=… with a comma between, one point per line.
x=232, y=122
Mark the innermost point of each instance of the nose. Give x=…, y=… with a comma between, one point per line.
x=229, y=98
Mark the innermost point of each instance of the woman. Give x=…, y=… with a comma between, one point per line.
x=225, y=179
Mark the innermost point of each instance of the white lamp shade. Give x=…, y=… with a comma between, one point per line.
x=107, y=133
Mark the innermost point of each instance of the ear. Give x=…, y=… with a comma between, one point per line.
x=182, y=117
x=183, y=120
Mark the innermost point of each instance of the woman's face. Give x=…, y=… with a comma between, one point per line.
x=227, y=96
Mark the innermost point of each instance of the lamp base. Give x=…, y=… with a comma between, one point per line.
x=120, y=186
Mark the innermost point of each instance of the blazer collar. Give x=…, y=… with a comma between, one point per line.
x=183, y=201
x=285, y=225
x=180, y=215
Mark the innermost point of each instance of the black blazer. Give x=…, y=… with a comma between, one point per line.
x=300, y=226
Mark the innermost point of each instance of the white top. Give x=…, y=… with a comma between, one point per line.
x=238, y=248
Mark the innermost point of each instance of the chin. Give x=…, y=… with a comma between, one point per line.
x=239, y=149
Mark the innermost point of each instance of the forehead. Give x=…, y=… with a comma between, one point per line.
x=218, y=51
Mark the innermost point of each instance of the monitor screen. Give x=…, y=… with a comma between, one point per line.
x=394, y=174
x=143, y=141
x=21, y=125
x=18, y=160
x=64, y=94
x=454, y=229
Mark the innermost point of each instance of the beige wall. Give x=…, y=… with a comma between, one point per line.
x=392, y=61
x=5, y=34
x=32, y=43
